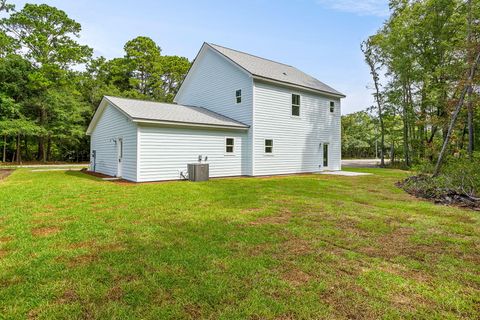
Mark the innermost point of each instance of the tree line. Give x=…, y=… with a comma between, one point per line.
x=50, y=84
x=423, y=63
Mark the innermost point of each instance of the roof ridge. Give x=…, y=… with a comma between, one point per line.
x=249, y=54
x=137, y=99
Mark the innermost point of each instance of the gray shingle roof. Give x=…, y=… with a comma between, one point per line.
x=173, y=113
x=269, y=69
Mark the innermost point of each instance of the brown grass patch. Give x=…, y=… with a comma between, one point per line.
x=348, y=301
x=250, y=210
x=5, y=239
x=283, y=218
x=82, y=259
x=95, y=250
x=69, y=296
x=296, y=247
x=193, y=310
x=115, y=294
x=5, y=173
x=296, y=276
x=82, y=245
x=3, y=253
x=45, y=231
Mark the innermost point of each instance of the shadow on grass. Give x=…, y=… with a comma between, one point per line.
x=81, y=175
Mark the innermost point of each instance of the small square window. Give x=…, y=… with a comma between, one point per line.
x=295, y=105
x=238, y=96
x=268, y=146
x=332, y=106
x=229, y=145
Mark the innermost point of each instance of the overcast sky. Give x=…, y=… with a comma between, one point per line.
x=320, y=37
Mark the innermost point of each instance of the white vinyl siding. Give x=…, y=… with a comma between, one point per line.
x=113, y=125
x=297, y=140
x=212, y=83
x=166, y=151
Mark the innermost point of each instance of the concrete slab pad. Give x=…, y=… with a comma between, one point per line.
x=345, y=173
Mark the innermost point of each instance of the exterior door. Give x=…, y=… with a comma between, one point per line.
x=119, y=156
x=325, y=155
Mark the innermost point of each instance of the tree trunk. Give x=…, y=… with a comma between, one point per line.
x=49, y=149
x=406, y=153
x=40, y=149
x=4, y=158
x=42, y=152
x=19, y=155
x=471, y=137
x=370, y=59
x=25, y=146
x=471, y=129
x=470, y=77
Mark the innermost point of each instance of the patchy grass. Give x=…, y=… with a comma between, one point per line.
x=309, y=246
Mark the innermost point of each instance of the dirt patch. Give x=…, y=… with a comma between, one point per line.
x=5, y=173
x=45, y=231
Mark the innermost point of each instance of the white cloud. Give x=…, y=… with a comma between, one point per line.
x=377, y=8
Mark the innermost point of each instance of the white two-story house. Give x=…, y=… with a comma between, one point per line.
x=246, y=115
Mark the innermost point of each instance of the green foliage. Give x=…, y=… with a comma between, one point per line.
x=422, y=54
x=359, y=135
x=46, y=32
x=44, y=101
x=460, y=176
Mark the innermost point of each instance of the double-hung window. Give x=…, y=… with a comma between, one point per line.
x=269, y=146
x=229, y=145
x=332, y=106
x=295, y=105
x=238, y=96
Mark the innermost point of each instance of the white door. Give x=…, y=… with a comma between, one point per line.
x=119, y=156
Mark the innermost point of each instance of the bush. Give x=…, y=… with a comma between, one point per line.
x=459, y=181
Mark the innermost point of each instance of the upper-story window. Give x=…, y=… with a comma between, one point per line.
x=295, y=105
x=332, y=106
x=238, y=96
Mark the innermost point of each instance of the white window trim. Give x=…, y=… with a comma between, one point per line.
x=299, y=105
x=265, y=146
x=225, y=147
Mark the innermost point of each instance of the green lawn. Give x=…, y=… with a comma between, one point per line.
x=296, y=247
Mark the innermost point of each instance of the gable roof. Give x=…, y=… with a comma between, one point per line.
x=166, y=113
x=271, y=70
